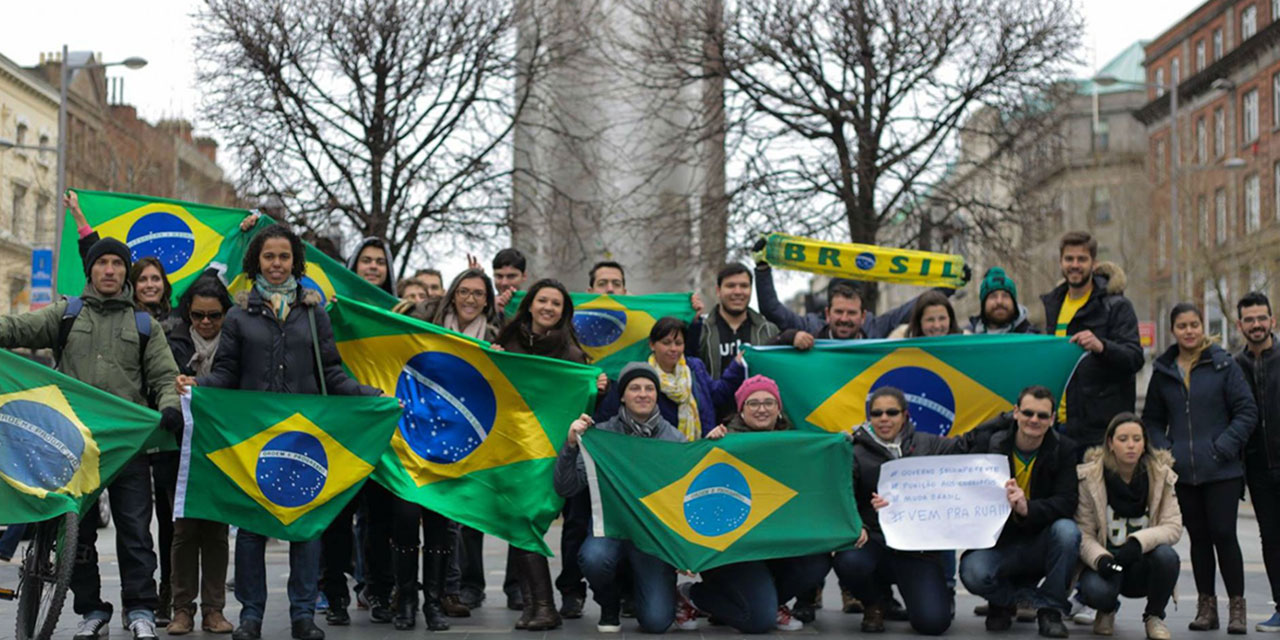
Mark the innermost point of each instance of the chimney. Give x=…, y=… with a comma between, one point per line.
x=208, y=147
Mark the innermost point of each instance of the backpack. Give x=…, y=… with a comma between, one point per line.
x=75, y=304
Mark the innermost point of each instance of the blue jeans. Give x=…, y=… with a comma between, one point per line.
x=9, y=541
x=1152, y=577
x=251, y=577
x=746, y=595
x=869, y=572
x=130, y=498
x=995, y=574
x=655, y=580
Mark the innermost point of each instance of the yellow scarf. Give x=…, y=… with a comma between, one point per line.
x=678, y=387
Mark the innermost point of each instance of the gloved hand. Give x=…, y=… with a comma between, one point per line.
x=1128, y=553
x=966, y=276
x=1107, y=566
x=757, y=251
x=171, y=421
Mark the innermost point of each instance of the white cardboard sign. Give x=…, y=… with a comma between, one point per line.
x=944, y=502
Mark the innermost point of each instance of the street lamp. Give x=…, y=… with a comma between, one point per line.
x=132, y=62
x=1104, y=80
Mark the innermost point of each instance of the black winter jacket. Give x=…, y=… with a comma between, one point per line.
x=1207, y=428
x=1103, y=384
x=869, y=455
x=1055, y=489
x=258, y=353
x=1263, y=375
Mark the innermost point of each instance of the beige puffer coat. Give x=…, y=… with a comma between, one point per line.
x=1163, y=513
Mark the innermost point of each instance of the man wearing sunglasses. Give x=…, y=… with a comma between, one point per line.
x=1040, y=539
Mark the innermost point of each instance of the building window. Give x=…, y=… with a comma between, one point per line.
x=1220, y=215
x=1175, y=71
x=1101, y=204
x=1248, y=22
x=1102, y=135
x=20, y=137
x=1161, y=262
x=1249, y=119
x=42, y=214
x=1200, y=60
x=1202, y=143
x=1159, y=82
x=1275, y=179
x=1217, y=44
x=1202, y=226
x=1252, y=204
x=1160, y=148
x=19, y=208
x=1219, y=132
x=1275, y=99
x=1275, y=10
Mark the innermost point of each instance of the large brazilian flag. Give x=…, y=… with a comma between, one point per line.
x=614, y=330
x=952, y=383
x=188, y=238
x=481, y=428
x=61, y=440
x=708, y=503
x=282, y=465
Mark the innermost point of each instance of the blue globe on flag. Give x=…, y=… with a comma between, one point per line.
x=599, y=327
x=718, y=500
x=39, y=447
x=166, y=237
x=930, y=401
x=292, y=469
x=450, y=408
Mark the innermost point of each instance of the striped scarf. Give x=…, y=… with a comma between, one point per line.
x=678, y=387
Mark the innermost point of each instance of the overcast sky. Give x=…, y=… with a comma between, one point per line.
x=161, y=31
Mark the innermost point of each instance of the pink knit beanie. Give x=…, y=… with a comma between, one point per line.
x=754, y=384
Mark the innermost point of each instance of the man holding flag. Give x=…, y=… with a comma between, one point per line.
x=99, y=338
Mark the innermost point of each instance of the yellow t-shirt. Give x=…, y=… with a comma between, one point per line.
x=1069, y=308
x=1022, y=471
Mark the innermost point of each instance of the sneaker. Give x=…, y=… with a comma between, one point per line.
x=786, y=622
x=142, y=629
x=686, y=613
x=92, y=628
x=362, y=601
x=1082, y=614
x=1050, y=624
x=322, y=602
x=1270, y=625
x=610, y=620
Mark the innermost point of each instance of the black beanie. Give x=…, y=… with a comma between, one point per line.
x=108, y=246
x=635, y=370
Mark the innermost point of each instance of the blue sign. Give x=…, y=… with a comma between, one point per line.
x=41, y=278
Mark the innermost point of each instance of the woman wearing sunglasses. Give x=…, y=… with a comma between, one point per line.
x=870, y=568
x=1199, y=406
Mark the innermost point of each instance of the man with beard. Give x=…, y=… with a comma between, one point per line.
x=1091, y=309
x=1260, y=361
x=1001, y=312
x=716, y=337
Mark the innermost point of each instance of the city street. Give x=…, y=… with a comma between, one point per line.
x=494, y=621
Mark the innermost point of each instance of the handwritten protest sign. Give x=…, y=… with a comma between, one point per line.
x=944, y=502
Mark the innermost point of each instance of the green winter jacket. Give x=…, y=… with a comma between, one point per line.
x=102, y=348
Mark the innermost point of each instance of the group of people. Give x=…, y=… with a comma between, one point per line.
x=1097, y=492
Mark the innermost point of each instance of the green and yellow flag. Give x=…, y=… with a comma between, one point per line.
x=708, y=503
x=279, y=464
x=61, y=440
x=864, y=261
x=481, y=428
x=614, y=330
x=188, y=238
x=952, y=383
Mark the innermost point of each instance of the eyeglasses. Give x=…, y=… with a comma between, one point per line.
x=767, y=403
x=476, y=294
x=198, y=316
x=892, y=413
x=1043, y=415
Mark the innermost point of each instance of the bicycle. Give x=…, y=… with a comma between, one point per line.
x=44, y=576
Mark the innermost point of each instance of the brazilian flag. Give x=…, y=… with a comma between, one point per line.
x=188, y=238
x=282, y=465
x=708, y=503
x=61, y=440
x=614, y=330
x=952, y=383
x=481, y=428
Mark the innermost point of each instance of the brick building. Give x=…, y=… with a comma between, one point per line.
x=1224, y=62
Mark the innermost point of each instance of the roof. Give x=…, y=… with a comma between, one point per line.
x=1126, y=67
x=32, y=81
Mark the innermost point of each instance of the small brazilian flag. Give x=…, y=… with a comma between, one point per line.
x=747, y=496
x=282, y=465
x=188, y=238
x=614, y=330
x=481, y=428
x=952, y=383
x=61, y=440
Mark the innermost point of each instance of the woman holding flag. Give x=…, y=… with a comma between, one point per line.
x=542, y=326
x=277, y=338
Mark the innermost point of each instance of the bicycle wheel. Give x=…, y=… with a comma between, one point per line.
x=45, y=575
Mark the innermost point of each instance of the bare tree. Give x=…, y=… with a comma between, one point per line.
x=845, y=111
x=391, y=117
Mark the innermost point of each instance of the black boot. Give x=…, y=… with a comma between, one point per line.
x=435, y=565
x=537, y=574
x=404, y=563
